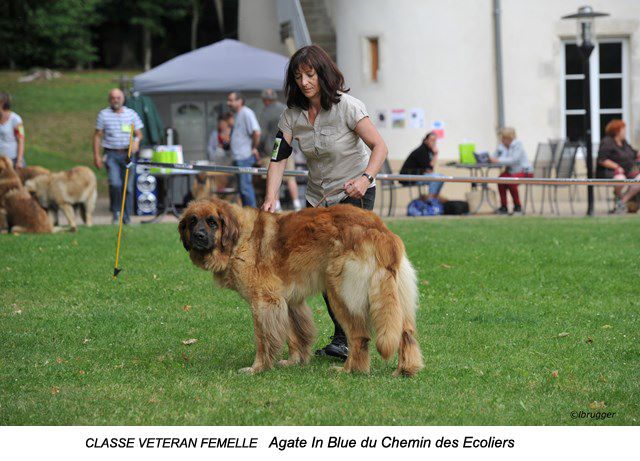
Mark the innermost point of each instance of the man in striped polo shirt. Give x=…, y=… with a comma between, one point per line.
x=113, y=129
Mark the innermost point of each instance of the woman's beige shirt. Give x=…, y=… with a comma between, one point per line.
x=334, y=152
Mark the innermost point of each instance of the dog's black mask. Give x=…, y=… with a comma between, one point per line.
x=201, y=233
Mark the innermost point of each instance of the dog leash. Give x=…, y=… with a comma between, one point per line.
x=330, y=193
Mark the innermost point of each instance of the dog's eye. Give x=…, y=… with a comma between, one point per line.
x=193, y=220
x=212, y=222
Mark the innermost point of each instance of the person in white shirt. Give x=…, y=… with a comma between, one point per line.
x=511, y=154
x=11, y=132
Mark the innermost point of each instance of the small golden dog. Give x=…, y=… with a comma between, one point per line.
x=65, y=189
x=275, y=261
x=24, y=214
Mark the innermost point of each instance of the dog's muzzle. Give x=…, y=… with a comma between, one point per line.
x=200, y=240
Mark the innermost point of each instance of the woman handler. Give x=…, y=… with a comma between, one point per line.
x=332, y=129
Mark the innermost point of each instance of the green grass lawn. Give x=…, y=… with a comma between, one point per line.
x=504, y=304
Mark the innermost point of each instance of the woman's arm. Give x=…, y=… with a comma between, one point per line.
x=356, y=188
x=20, y=138
x=434, y=162
x=605, y=152
x=274, y=180
x=608, y=163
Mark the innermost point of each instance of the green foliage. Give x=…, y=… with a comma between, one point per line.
x=61, y=33
x=51, y=34
x=150, y=13
x=504, y=303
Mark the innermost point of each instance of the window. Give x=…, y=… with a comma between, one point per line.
x=373, y=50
x=609, y=94
x=371, y=59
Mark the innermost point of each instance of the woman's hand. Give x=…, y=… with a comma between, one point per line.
x=356, y=188
x=269, y=205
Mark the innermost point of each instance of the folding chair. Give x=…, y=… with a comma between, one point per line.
x=542, y=167
x=565, y=169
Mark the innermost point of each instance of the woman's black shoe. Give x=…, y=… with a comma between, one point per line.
x=336, y=348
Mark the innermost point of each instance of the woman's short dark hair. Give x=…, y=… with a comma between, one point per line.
x=5, y=100
x=430, y=133
x=330, y=78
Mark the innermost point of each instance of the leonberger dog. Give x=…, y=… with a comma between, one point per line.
x=9, y=180
x=276, y=261
x=29, y=172
x=24, y=214
x=64, y=190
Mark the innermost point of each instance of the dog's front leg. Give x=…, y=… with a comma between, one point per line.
x=270, y=326
x=69, y=213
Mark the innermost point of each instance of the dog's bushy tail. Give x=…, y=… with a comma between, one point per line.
x=409, y=355
x=385, y=312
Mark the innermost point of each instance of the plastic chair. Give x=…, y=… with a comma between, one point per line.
x=565, y=169
x=542, y=168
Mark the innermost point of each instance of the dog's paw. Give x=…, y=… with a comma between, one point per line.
x=246, y=371
x=401, y=374
x=338, y=369
x=288, y=363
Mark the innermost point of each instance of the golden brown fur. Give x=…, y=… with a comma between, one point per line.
x=9, y=180
x=30, y=172
x=65, y=189
x=209, y=185
x=24, y=213
x=275, y=261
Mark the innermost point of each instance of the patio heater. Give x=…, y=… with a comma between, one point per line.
x=585, y=36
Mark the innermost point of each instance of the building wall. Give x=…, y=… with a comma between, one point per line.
x=532, y=43
x=431, y=57
x=439, y=56
x=258, y=25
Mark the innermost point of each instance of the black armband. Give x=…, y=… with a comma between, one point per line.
x=281, y=148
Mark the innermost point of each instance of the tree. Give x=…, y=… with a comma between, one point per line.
x=149, y=14
x=51, y=34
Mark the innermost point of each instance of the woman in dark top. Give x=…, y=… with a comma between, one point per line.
x=422, y=162
x=618, y=160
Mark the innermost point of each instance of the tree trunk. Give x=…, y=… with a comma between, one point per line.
x=220, y=14
x=195, y=18
x=146, y=44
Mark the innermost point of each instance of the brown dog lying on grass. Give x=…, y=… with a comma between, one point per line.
x=24, y=214
x=63, y=190
x=275, y=261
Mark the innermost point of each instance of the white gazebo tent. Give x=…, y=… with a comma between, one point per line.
x=190, y=90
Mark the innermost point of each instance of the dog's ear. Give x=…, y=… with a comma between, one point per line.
x=182, y=229
x=229, y=227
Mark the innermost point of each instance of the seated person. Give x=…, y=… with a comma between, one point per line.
x=511, y=153
x=218, y=153
x=219, y=147
x=422, y=161
x=617, y=160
